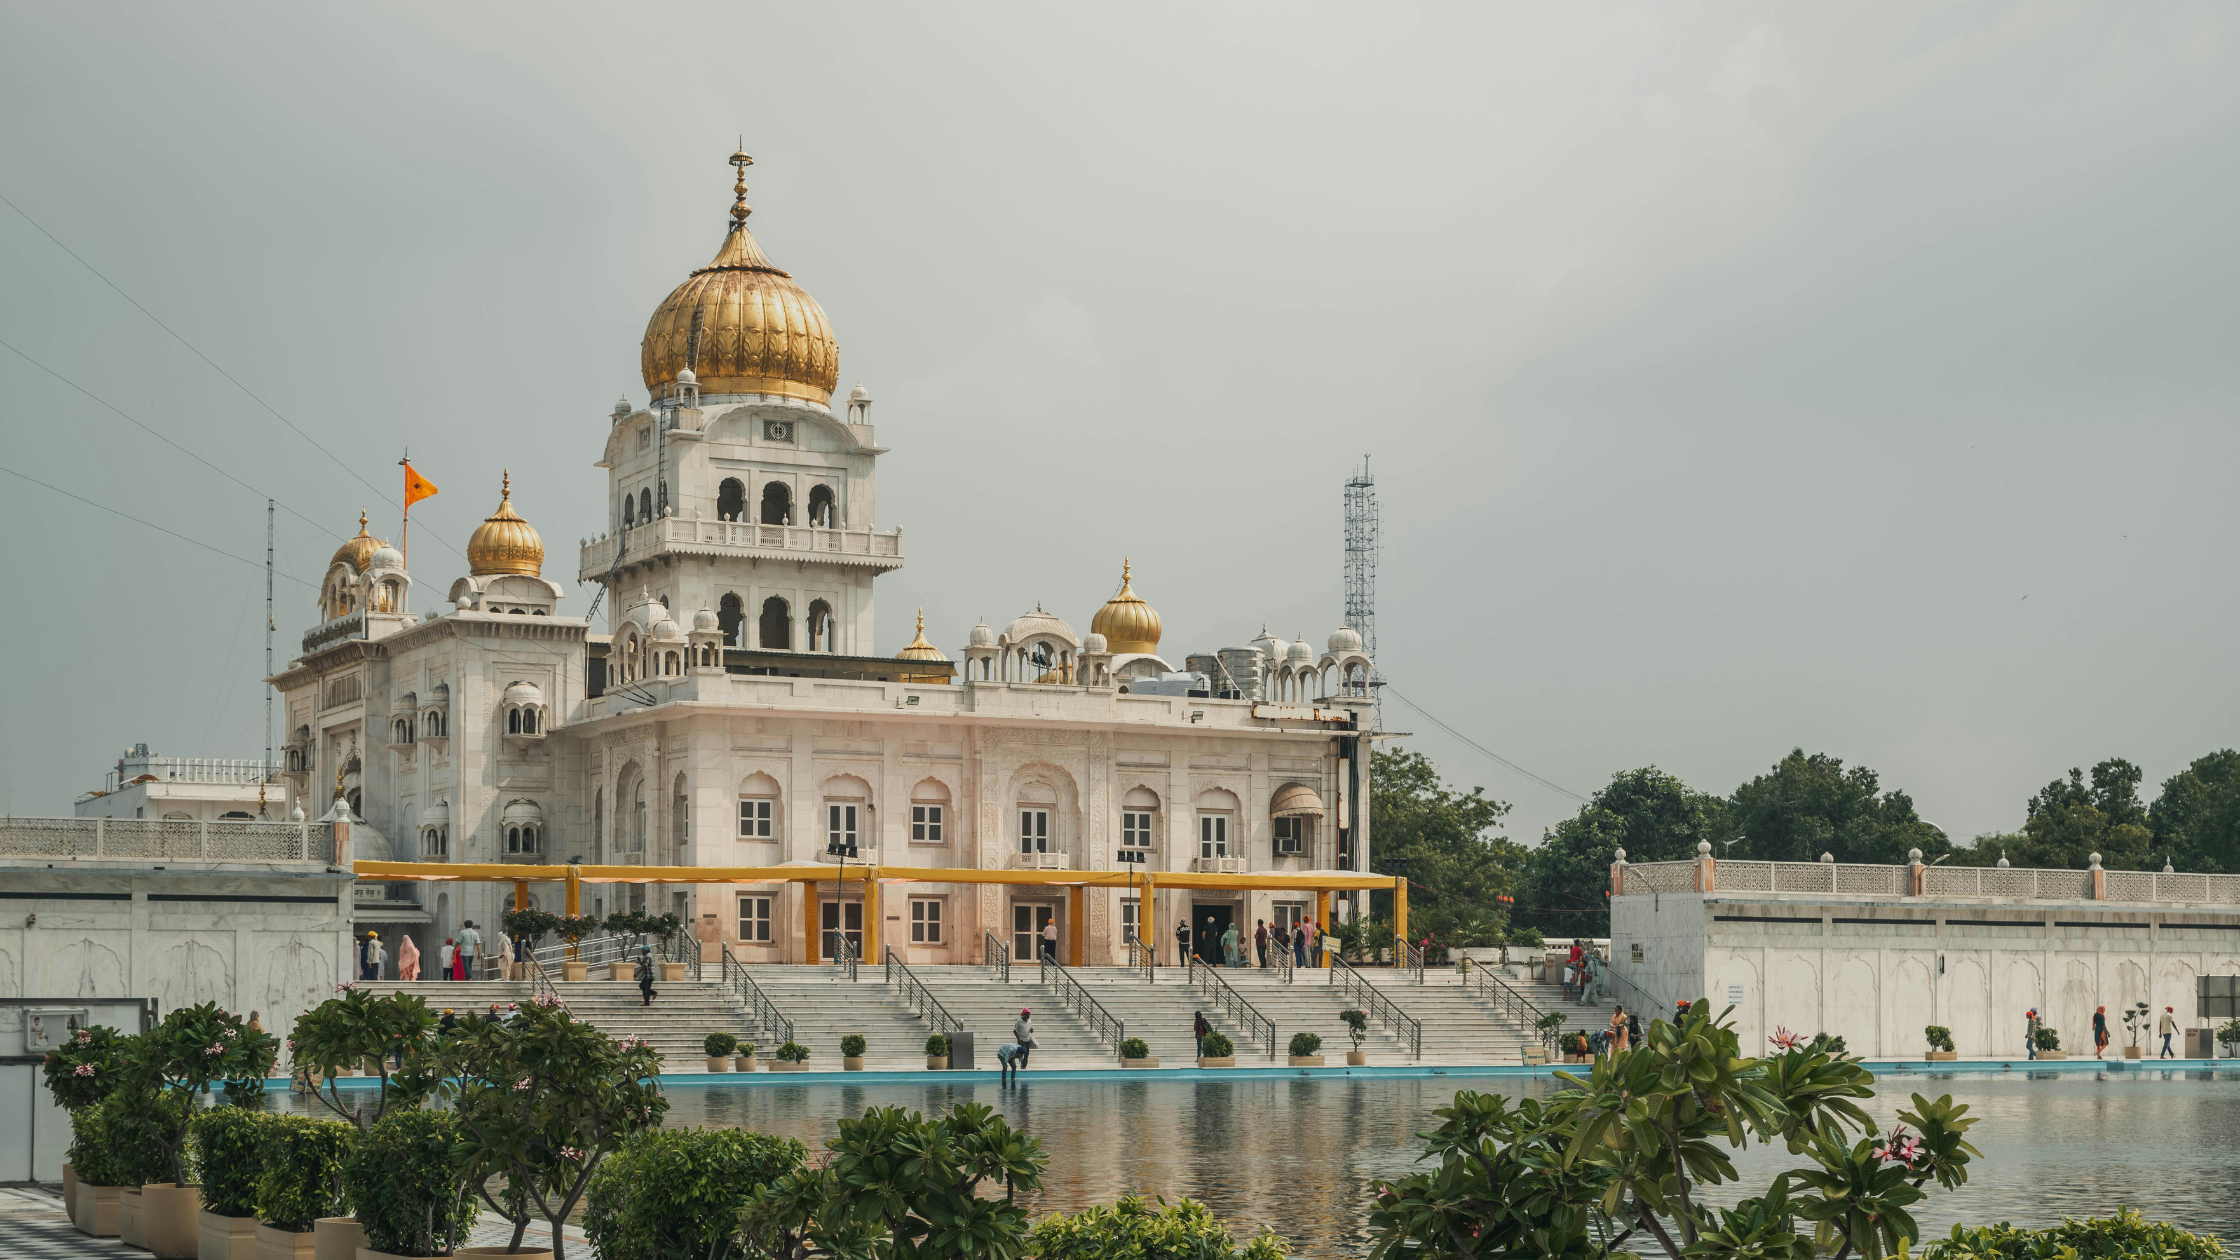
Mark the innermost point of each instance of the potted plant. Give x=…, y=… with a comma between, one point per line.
x=79, y=1074
x=1940, y=1044
x=572, y=928
x=141, y=1159
x=669, y=927
x=718, y=1047
x=300, y=1185
x=1135, y=1052
x=228, y=1146
x=166, y=1070
x=742, y=1059
x=406, y=1176
x=679, y=1192
x=937, y=1052
x=1215, y=1050
x=542, y=1098
x=2049, y=1043
x=357, y=1026
x=1306, y=1050
x=2228, y=1036
x=1357, y=1031
x=2136, y=1020
x=792, y=1057
x=851, y=1052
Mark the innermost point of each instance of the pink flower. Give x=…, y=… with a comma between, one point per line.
x=83, y=1069
x=346, y=986
x=85, y=1035
x=521, y=1084
x=571, y=1153
x=218, y=1049
x=1783, y=1039
x=1900, y=1147
x=233, y=1032
x=291, y=1043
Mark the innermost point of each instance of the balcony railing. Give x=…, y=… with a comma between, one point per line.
x=138, y=839
x=1042, y=861
x=1852, y=879
x=195, y=770
x=743, y=538
x=1218, y=865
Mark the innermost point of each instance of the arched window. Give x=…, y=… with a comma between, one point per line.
x=929, y=812
x=731, y=499
x=1139, y=818
x=680, y=820
x=513, y=721
x=759, y=810
x=821, y=508
x=777, y=625
x=638, y=817
x=629, y=511
x=598, y=820
x=730, y=611
x=777, y=504
x=645, y=505
x=820, y=627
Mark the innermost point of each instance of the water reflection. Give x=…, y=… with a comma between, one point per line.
x=1300, y=1155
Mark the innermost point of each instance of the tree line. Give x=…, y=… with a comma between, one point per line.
x=1471, y=885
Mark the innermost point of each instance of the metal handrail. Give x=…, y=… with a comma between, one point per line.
x=845, y=953
x=1073, y=997
x=997, y=956
x=1284, y=963
x=920, y=997
x=1257, y=1027
x=1508, y=1003
x=1379, y=1007
x=1644, y=1000
x=1143, y=958
x=683, y=949
x=1410, y=957
x=540, y=981
x=774, y=1022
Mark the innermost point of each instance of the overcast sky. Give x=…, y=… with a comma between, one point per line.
x=1856, y=377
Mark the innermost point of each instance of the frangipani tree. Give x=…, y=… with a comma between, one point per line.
x=166, y=1067
x=1629, y=1149
x=353, y=1028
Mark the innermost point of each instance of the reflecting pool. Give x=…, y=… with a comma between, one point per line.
x=1300, y=1155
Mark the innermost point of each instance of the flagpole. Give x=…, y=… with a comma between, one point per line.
x=404, y=532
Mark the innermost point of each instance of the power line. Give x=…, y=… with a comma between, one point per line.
x=159, y=437
x=384, y=497
x=1434, y=718
x=150, y=524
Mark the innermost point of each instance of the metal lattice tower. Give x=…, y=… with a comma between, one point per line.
x=1362, y=546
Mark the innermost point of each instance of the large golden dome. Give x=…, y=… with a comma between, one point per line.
x=1126, y=622
x=742, y=325
x=504, y=543
x=357, y=551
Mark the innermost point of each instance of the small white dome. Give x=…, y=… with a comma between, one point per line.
x=666, y=629
x=1271, y=646
x=1039, y=622
x=524, y=693
x=981, y=635
x=385, y=557
x=1094, y=643
x=1344, y=639
x=519, y=812
x=685, y=377
x=705, y=621
x=1300, y=654
x=859, y=394
x=437, y=814
x=621, y=408
x=441, y=694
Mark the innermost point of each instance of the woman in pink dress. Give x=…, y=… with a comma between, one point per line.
x=408, y=960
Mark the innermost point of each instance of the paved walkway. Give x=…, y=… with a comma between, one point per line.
x=34, y=1226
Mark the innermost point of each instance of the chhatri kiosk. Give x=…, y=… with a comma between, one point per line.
x=732, y=724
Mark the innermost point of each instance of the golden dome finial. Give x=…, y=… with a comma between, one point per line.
x=505, y=543
x=920, y=650
x=1128, y=624
x=739, y=207
x=357, y=552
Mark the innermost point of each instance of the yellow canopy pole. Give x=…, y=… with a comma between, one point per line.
x=1400, y=907
x=871, y=919
x=1321, y=925
x=1145, y=932
x=812, y=919
x=574, y=902
x=520, y=894
x=1075, y=903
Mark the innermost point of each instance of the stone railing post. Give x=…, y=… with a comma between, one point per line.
x=2099, y=880
x=1618, y=874
x=100, y=835
x=1919, y=872
x=1707, y=868
x=341, y=843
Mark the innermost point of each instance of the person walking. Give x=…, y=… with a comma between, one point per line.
x=2099, y=1032
x=444, y=957
x=1570, y=979
x=1260, y=938
x=1621, y=1032
x=645, y=975
x=470, y=946
x=521, y=957
x=373, y=956
x=1198, y=1030
x=1314, y=939
x=1299, y=943
x=1022, y=1031
x=1229, y=947
x=1050, y=940
x=2030, y=1031
x=1182, y=941
x=408, y=960
x=2168, y=1030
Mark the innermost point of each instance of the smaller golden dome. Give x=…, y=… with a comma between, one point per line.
x=919, y=649
x=504, y=543
x=359, y=550
x=1127, y=623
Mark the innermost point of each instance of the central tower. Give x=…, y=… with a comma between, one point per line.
x=736, y=490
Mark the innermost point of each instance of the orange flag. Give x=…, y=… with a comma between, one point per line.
x=416, y=487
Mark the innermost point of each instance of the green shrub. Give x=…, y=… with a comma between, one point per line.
x=1305, y=1043
x=2229, y=1034
x=2049, y=1038
x=937, y=1045
x=851, y=1046
x=228, y=1144
x=135, y=1125
x=91, y=1155
x=1216, y=1045
x=302, y=1175
x=793, y=1052
x=1940, y=1037
x=407, y=1176
x=1527, y=937
x=2124, y=1236
x=1134, y=1227
x=1135, y=1048
x=1357, y=1026
x=745, y=1050
x=83, y=1070
x=719, y=1045
x=676, y=1193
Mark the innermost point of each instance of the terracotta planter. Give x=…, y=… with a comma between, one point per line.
x=97, y=1211
x=742, y=1063
x=574, y=970
x=1942, y=1056
x=2133, y=1052
x=620, y=971
x=671, y=972
x=132, y=1227
x=780, y=1065
x=937, y=1063
x=852, y=1063
x=719, y=1064
x=2053, y=1054
x=1357, y=1058
x=69, y=1183
x=526, y=1253
x=337, y=1238
x=225, y=1237
x=1304, y=1060
x=1228, y=1061
x=171, y=1218
x=284, y=1244
x=1139, y=1063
